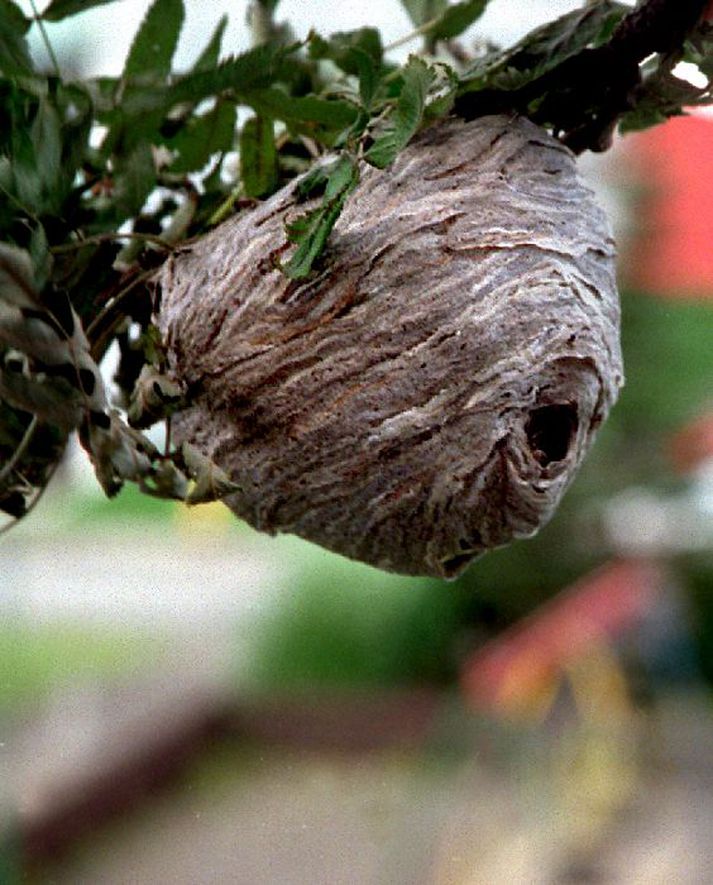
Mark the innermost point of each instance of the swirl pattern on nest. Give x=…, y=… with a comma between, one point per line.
x=430, y=393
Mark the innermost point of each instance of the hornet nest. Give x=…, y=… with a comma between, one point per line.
x=430, y=393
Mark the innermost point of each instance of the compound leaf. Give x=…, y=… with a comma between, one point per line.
x=407, y=115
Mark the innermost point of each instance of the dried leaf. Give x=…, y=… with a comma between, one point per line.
x=211, y=483
x=155, y=396
x=17, y=283
x=52, y=399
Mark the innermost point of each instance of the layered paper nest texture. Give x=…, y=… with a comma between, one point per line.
x=430, y=392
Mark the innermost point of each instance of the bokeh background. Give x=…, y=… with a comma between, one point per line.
x=183, y=700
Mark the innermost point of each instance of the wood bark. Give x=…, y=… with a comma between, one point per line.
x=430, y=392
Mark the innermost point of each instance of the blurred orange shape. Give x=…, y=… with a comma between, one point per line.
x=670, y=253
x=693, y=444
x=519, y=669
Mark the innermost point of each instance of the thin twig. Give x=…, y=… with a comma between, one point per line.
x=20, y=450
x=167, y=441
x=111, y=307
x=420, y=31
x=108, y=237
x=46, y=39
x=226, y=207
x=35, y=501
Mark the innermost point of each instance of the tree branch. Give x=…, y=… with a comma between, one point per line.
x=656, y=26
x=583, y=98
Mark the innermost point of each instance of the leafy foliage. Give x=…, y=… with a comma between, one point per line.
x=584, y=72
x=455, y=18
x=258, y=156
x=59, y=9
x=543, y=49
x=407, y=113
x=439, y=20
x=310, y=231
x=662, y=94
x=14, y=54
x=101, y=177
x=155, y=41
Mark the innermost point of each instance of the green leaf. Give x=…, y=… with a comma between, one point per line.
x=202, y=137
x=155, y=396
x=14, y=55
x=368, y=75
x=313, y=183
x=145, y=106
x=422, y=11
x=76, y=111
x=698, y=48
x=442, y=92
x=59, y=9
x=545, y=48
x=140, y=113
x=311, y=230
x=155, y=42
x=455, y=19
x=41, y=256
x=338, y=48
x=209, y=57
x=47, y=143
x=134, y=180
x=30, y=169
x=358, y=53
x=662, y=95
x=407, y=115
x=210, y=482
x=308, y=110
x=254, y=69
x=258, y=157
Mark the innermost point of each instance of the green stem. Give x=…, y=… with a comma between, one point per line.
x=420, y=31
x=226, y=207
x=46, y=39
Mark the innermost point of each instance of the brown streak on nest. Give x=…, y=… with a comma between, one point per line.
x=402, y=433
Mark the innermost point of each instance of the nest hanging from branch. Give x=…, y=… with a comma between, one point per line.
x=430, y=393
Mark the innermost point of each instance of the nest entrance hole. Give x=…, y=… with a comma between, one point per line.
x=550, y=431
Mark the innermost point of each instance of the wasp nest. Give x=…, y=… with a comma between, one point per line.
x=432, y=391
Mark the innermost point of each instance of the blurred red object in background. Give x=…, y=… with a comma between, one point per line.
x=671, y=251
x=510, y=672
x=693, y=444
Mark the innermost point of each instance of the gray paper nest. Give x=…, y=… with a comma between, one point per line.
x=432, y=391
